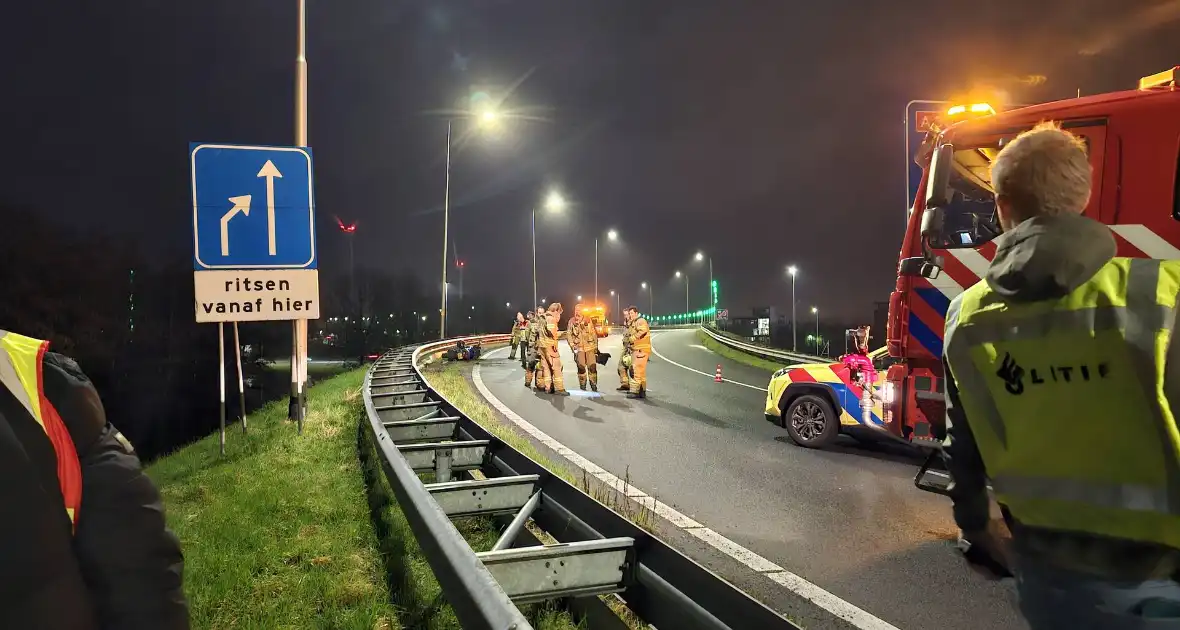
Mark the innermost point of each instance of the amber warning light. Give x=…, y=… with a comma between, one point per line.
x=977, y=109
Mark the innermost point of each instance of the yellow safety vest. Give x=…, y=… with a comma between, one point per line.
x=1066, y=401
x=21, y=373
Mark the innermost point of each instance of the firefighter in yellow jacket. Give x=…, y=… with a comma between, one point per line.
x=625, y=358
x=583, y=341
x=640, y=350
x=550, y=379
x=532, y=337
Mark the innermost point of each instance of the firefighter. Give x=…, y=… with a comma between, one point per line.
x=533, y=341
x=83, y=542
x=625, y=357
x=1060, y=378
x=551, y=379
x=517, y=326
x=523, y=336
x=583, y=342
x=640, y=349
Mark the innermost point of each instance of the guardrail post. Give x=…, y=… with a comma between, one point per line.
x=442, y=465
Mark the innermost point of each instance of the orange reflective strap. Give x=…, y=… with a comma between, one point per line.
x=24, y=357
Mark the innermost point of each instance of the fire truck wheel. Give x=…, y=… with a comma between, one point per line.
x=811, y=421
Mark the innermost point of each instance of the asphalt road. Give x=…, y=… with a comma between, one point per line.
x=846, y=519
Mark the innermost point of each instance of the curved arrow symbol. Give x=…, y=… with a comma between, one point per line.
x=241, y=204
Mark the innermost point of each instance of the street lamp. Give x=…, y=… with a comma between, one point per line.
x=815, y=311
x=699, y=257
x=612, y=235
x=554, y=202
x=678, y=274
x=650, y=301
x=617, y=297
x=579, y=298
x=485, y=118
x=793, y=271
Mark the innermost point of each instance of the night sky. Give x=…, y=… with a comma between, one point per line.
x=763, y=132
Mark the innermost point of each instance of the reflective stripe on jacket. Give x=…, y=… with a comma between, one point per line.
x=1066, y=400
x=20, y=372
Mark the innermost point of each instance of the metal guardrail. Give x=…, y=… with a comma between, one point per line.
x=598, y=551
x=762, y=351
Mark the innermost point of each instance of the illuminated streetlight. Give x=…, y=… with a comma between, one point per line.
x=650, y=301
x=554, y=202
x=815, y=311
x=712, y=301
x=612, y=235
x=483, y=118
x=793, y=271
x=678, y=274
x=579, y=298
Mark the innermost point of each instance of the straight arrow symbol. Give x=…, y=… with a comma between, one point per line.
x=270, y=173
x=241, y=204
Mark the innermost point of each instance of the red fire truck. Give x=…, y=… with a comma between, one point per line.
x=1133, y=139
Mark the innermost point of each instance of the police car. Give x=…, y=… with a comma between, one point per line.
x=816, y=402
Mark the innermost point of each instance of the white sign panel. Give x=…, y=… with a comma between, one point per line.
x=256, y=295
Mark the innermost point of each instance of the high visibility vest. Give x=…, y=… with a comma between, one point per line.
x=21, y=373
x=1066, y=401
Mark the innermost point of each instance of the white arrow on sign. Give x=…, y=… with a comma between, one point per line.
x=270, y=173
x=241, y=204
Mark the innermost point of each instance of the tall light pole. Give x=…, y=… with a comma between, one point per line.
x=618, y=305
x=486, y=117
x=297, y=404
x=815, y=311
x=699, y=257
x=612, y=235
x=678, y=274
x=554, y=203
x=793, y=271
x=651, y=307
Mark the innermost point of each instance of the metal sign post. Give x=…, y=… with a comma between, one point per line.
x=241, y=380
x=221, y=378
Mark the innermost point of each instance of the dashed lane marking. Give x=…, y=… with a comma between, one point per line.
x=849, y=612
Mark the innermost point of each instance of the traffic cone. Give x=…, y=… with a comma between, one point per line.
x=717, y=378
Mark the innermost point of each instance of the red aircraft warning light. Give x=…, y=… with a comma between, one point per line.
x=347, y=228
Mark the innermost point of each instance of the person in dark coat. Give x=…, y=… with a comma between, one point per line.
x=109, y=564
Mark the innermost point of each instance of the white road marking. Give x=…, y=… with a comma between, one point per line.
x=850, y=613
x=699, y=347
x=711, y=376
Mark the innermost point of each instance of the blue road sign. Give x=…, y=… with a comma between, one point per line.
x=918, y=116
x=253, y=207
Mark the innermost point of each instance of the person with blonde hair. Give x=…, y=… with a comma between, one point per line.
x=1060, y=378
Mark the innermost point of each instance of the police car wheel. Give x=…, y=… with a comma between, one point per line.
x=811, y=421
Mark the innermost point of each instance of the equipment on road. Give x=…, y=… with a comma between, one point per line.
x=949, y=237
x=717, y=378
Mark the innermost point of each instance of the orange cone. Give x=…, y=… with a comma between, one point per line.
x=717, y=378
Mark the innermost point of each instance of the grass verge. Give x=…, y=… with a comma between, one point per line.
x=736, y=355
x=276, y=533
